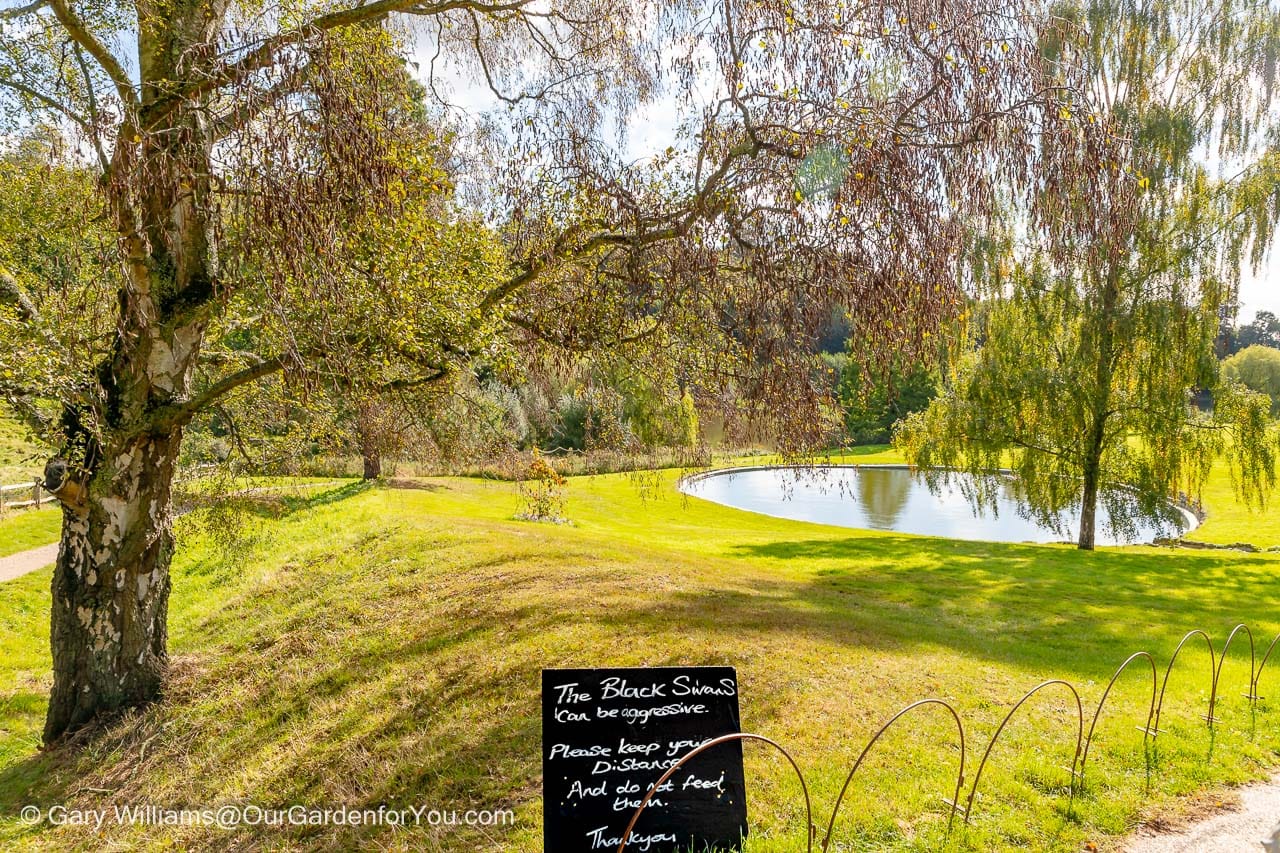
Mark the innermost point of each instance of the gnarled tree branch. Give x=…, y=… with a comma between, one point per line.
x=83, y=36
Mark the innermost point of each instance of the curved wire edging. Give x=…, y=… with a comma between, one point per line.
x=1083, y=741
x=1146, y=728
x=977, y=777
x=738, y=736
x=955, y=797
x=1213, y=675
x=1257, y=675
x=1217, y=673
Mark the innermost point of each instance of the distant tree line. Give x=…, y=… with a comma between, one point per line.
x=1263, y=331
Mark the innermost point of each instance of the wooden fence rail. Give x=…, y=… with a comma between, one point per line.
x=31, y=494
x=34, y=495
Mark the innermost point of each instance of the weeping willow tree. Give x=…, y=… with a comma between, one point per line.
x=1098, y=303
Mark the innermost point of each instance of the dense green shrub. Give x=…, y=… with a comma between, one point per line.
x=872, y=403
x=1257, y=368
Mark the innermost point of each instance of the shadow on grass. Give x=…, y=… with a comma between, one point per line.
x=448, y=717
x=1071, y=611
x=270, y=502
x=297, y=503
x=419, y=683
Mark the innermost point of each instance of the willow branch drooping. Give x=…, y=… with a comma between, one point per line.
x=1100, y=320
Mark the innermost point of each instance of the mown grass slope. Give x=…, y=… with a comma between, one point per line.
x=384, y=646
x=21, y=460
x=24, y=529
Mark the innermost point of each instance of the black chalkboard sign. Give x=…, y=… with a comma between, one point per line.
x=609, y=734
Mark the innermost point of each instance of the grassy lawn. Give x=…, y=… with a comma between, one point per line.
x=1228, y=523
x=25, y=529
x=376, y=646
x=21, y=461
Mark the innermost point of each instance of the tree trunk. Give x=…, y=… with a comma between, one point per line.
x=1092, y=473
x=1095, y=441
x=111, y=588
x=372, y=462
x=111, y=582
x=370, y=432
x=1089, y=506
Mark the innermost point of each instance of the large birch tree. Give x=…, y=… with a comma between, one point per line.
x=828, y=155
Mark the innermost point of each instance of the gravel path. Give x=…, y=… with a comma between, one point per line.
x=24, y=562
x=1240, y=830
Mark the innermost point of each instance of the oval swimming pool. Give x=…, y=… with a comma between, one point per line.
x=891, y=497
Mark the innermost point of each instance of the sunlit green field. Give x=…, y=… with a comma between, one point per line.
x=21, y=460
x=376, y=646
x=26, y=529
